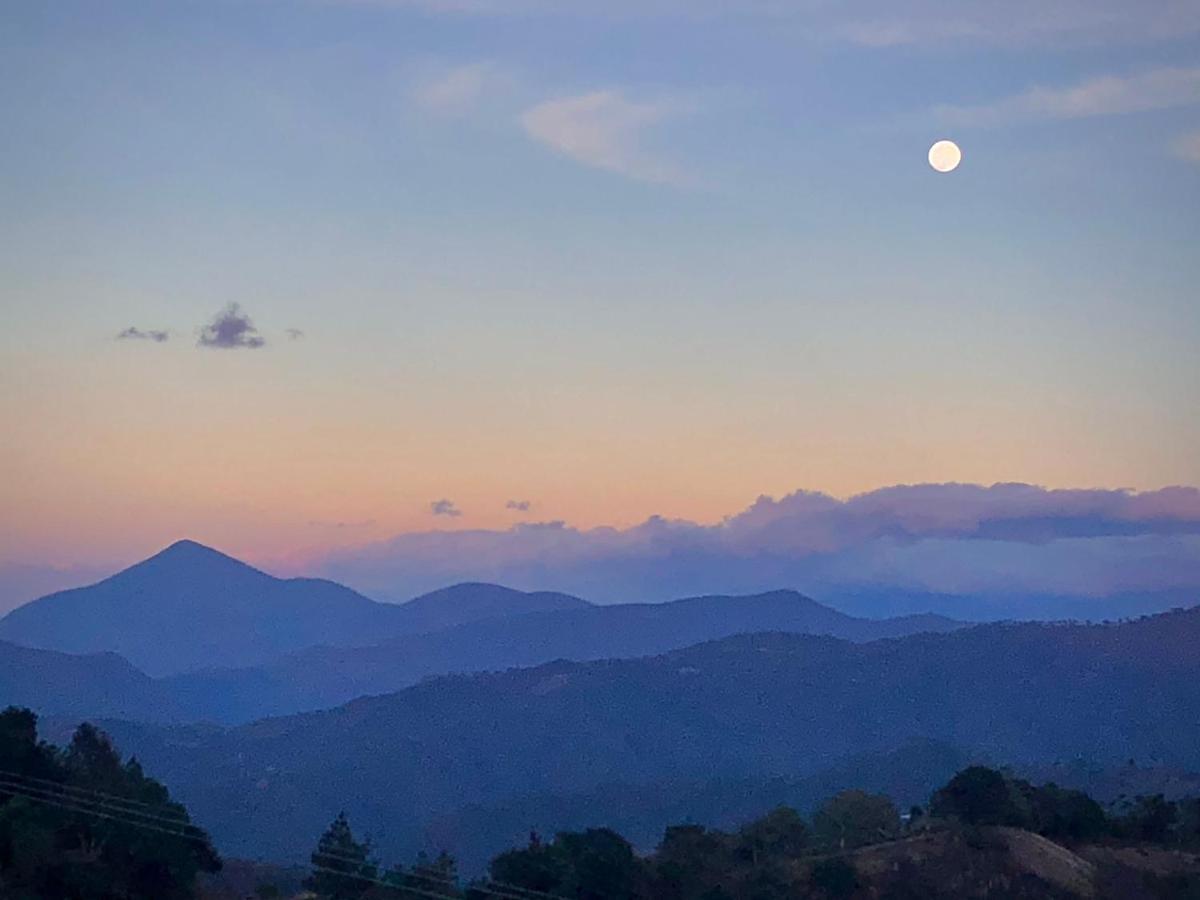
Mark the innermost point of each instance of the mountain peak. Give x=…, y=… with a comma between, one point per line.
x=187, y=550
x=187, y=546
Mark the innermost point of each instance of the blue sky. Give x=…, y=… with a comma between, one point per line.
x=621, y=259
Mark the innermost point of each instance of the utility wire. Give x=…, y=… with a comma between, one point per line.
x=382, y=883
x=53, y=794
x=79, y=790
x=91, y=811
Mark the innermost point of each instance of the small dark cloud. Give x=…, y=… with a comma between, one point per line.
x=136, y=334
x=230, y=330
x=294, y=334
x=518, y=505
x=444, y=508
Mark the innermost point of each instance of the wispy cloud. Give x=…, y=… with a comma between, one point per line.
x=518, y=505
x=1188, y=147
x=1107, y=95
x=231, y=329
x=457, y=90
x=137, y=334
x=605, y=130
x=444, y=508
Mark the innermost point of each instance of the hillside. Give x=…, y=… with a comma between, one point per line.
x=89, y=685
x=747, y=706
x=191, y=607
x=327, y=676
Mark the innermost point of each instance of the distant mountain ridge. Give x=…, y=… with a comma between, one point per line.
x=88, y=685
x=325, y=676
x=190, y=607
x=751, y=706
x=320, y=677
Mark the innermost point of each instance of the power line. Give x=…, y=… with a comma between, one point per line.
x=80, y=790
x=91, y=811
x=52, y=793
x=383, y=883
x=505, y=891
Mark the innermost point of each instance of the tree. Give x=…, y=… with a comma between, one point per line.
x=595, y=864
x=1147, y=819
x=81, y=824
x=836, y=878
x=780, y=833
x=537, y=867
x=855, y=818
x=1061, y=813
x=690, y=862
x=977, y=795
x=600, y=864
x=342, y=866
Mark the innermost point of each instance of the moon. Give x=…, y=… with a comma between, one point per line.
x=945, y=156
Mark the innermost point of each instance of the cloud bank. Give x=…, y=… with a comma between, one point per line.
x=1001, y=540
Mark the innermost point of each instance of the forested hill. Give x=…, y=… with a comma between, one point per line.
x=321, y=677
x=751, y=705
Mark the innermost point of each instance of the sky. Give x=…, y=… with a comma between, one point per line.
x=300, y=278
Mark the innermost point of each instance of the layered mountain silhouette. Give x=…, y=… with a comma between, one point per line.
x=86, y=685
x=749, y=706
x=327, y=676
x=192, y=607
x=232, y=643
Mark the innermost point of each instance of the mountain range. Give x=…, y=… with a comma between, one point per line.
x=750, y=706
x=191, y=607
x=165, y=610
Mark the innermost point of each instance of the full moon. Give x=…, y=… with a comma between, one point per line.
x=945, y=156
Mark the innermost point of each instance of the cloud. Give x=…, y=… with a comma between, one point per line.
x=603, y=130
x=294, y=334
x=136, y=334
x=1188, y=147
x=518, y=505
x=936, y=537
x=457, y=90
x=444, y=508
x=1107, y=95
x=231, y=329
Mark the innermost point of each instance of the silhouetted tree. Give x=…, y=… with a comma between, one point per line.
x=855, y=818
x=81, y=824
x=596, y=864
x=691, y=862
x=1147, y=819
x=977, y=795
x=342, y=866
x=780, y=833
x=836, y=878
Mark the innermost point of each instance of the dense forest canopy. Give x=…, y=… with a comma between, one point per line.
x=80, y=824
